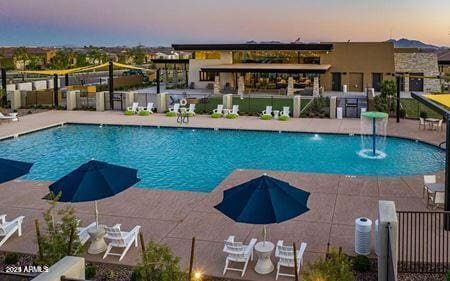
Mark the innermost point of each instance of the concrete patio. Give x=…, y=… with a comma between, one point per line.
x=174, y=217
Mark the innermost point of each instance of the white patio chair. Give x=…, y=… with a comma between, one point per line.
x=175, y=108
x=191, y=109
x=120, y=239
x=7, y=228
x=427, y=179
x=83, y=234
x=134, y=107
x=438, y=199
x=239, y=253
x=10, y=117
x=267, y=111
x=219, y=109
x=148, y=108
x=234, y=110
x=286, y=258
x=437, y=126
x=285, y=111
x=422, y=123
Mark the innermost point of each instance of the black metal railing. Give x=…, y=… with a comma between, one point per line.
x=423, y=243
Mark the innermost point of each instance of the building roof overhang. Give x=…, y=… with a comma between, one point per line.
x=254, y=47
x=268, y=67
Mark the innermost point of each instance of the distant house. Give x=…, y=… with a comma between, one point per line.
x=444, y=62
x=170, y=56
x=43, y=56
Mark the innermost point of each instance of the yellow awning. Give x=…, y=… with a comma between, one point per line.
x=130, y=66
x=443, y=99
x=64, y=71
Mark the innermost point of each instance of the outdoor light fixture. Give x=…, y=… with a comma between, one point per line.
x=198, y=276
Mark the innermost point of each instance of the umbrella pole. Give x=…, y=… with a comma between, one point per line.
x=264, y=235
x=96, y=214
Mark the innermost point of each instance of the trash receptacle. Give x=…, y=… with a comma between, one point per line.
x=339, y=113
x=363, y=227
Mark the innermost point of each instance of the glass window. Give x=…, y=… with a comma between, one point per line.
x=206, y=55
x=207, y=76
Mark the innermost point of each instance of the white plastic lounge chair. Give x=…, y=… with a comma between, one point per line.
x=134, y=107
x=285, y=111
x=219, y=109
x=427, y=179
x=235, y=110
x=175, y=108
x=83, y=234
x=438, y=199
x=7, y=228
x=10, y=117
x=191, y=109
x=268, y=110
x=286, y=258
x=120, y=239
x=148, y=108
x=238, y=252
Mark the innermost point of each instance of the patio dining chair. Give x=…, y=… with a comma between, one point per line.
x=427, y=179
x=239, y=253
x=422, y=123
x=437, y=126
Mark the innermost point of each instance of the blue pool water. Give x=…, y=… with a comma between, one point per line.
x=197, y=160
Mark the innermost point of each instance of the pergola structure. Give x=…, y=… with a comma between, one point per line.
x=441, y=104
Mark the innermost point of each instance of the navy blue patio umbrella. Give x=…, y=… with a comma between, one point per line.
x=11, y=169
x=263, y=200
x=92, y=181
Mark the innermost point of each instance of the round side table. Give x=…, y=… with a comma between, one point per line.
x=276, y=114
x=98, y=244
x=264, y=264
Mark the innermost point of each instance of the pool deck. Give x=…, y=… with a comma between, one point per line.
x=174, y=217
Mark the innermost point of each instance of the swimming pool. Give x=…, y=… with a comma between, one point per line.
x=198, y=159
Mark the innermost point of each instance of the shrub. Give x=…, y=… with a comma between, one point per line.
x=90, y=271
x=158, y=263
x=216, y=115
x=388, y=88
x=144, y=113
x=361, y=263
x=171, y=114
x=337, y=267
x=266, y=117
x=128, y=112
x=283, y=118
x=108, y=275
x=423, y=114
x=11, y=258
x=448, y=275
x=55, y=239
x=232, y=116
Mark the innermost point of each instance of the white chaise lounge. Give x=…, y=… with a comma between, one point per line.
x=239, y=253
x=83, y=234
x=235, y=110
x=134, y=107
x=7, y=228
x=175, y=108
x=148, y=108
x=10, y=117
x=120, y=239
x=191, y=109
x=219, y=109
x=286, y=258
x=285, y=111
x=267, y=111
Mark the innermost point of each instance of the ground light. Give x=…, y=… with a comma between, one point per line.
x=198, y=275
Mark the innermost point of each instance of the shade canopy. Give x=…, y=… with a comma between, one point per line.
x=94, y=180
x=263, y=200
x=443, y=99
x=11, y=169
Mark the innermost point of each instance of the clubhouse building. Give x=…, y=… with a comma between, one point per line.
x=297, y=68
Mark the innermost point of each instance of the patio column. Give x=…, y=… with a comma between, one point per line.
x=316, y=87
x=333, y=103
x=387, y=224
x=241, y=85
x=71, y=100
x=227, y=101
x=217, y=85
x=100, y=101
x=161, y=102
x=16, y=99
x=297, y=106
x=406, y=82
x=158, y=81
x=129, y=99
x=290, y=86
x=175, y=75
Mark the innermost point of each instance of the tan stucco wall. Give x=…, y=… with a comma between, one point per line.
x=196, y=65
x=365, y=58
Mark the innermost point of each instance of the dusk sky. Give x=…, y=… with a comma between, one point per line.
x=149, y=22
